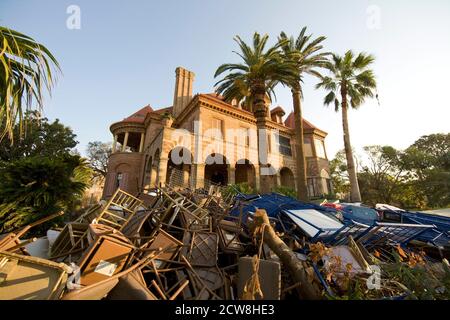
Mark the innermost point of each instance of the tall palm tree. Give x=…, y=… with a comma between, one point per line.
x=26, y=69
x=255, y=78
x=304, y=52
x=352, y=80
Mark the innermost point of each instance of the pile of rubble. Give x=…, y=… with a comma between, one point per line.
x=211, y=244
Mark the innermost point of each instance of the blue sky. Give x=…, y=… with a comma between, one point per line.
x=125, y=54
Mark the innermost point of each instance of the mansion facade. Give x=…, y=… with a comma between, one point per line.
x=201, y=139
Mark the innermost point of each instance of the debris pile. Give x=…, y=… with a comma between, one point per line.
x=174, y=243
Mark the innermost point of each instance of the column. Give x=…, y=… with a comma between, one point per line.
x=264, y=180
x=278, y=179
x=153, y=174
x=231, y=174
x=162, y=170
x=199, y=174
x=114, y=146
x=257, y=180
x=141, y=145
x=125, y=141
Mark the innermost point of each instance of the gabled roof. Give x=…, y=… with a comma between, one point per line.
x=290, y=122
x=163, y=110
x=139, y=116
x=278, y=109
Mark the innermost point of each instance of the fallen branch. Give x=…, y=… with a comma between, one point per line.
x=307, y=289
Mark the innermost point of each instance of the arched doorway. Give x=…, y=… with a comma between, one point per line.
x=287, y=178
x=179, y=167
x=245, y=173
x=148, y=173
x=216, y=170
x=155, y=168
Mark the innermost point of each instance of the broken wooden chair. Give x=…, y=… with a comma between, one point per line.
x=11, y=241
x=200, y=253
x=31, y=278
x=70, y=242
x=106, y=256
x=131, y=286
x=229, y=233
x=119, y=210
x=90, y=214
x=168, y=245
x=100, y=290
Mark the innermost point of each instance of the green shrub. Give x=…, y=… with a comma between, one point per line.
x=35, y=187
x=233, y=189
x=286, y=191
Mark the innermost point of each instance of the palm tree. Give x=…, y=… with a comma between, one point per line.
x=254, y=79
x=351, y=77
x=303, y=51
x=25, y=70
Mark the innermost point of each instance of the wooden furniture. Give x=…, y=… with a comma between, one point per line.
x=31, y=278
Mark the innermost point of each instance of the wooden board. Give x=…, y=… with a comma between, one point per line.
x=30, y=278
x=104, y=258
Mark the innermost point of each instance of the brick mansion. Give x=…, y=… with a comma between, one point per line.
x=202, y=139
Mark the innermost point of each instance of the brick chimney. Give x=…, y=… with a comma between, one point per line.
x=183, y=89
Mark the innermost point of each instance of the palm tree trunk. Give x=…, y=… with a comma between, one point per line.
x=355, y=195
x=302, y=188
x=260, y=112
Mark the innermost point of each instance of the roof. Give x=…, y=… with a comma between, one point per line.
x=214, y=95
x=163, y=110
x=290, y=122
x=276, y=110
x=220, y=98
x=139, y=116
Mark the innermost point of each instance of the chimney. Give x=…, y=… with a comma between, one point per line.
x=183, y=89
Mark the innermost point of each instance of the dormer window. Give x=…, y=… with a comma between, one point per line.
x=277, y=115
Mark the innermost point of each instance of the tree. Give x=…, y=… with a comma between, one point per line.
x=40, y=138
x=303, y=51
x=25, y=72
x=383, y=178
x=428, y=160
x=36, y=187
x=254, y=79
x=350, y=77
x=98, y=155
x=339, y=174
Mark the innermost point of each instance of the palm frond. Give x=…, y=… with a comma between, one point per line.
x=351, y=74
x=260, y=67
x=27, y=68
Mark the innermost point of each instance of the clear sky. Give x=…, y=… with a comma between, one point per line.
x=124, y=56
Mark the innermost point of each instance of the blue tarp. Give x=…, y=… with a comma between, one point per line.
x=360, y=222
x=360, y=214
x=273, y=203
